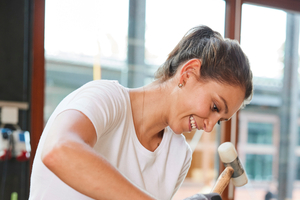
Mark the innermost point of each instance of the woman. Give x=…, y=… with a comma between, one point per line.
x=105, y=141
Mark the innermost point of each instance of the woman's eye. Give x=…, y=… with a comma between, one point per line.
x=215, y=108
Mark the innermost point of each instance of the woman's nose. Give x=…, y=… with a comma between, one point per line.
x=210, y=123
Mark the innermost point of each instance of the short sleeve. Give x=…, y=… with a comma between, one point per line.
x=102, y=102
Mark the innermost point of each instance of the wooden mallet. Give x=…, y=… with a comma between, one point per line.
x=234, y=169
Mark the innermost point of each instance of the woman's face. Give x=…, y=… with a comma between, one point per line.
x=201, y=105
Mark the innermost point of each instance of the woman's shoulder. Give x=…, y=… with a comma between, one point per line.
x=104, y=89
x=101, y=95
x=105, y=84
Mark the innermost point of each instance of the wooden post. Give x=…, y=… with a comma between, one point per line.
x=38, y=76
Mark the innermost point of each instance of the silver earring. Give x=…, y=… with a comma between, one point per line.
x=180, y=85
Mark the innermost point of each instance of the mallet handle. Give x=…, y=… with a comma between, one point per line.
x=223, y=180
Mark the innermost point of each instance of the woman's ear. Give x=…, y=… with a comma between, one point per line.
x=191, y=67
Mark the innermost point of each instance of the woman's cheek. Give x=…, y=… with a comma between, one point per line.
x=203, y=111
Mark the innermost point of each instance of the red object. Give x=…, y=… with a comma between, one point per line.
x=23, y=156
x=6, y=155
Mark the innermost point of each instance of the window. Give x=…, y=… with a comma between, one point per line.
x=259, y=167
x=258, y=150
x=262, y=38
x=168, y=21
x=82, y=28
x=79, y=35
x=269, y=38
x=260, y=133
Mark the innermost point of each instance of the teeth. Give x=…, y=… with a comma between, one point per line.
x=192, y=120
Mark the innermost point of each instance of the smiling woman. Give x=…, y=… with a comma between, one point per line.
x=105, y=141
x=205, y=100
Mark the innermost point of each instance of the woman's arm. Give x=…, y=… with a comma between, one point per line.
x=68, y=153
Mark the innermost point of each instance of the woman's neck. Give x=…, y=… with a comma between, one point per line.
x=150, y=113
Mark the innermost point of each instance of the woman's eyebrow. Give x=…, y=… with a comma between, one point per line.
x=226, y=107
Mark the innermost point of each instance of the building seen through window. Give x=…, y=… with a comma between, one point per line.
x=259, y=167
x=260, y=133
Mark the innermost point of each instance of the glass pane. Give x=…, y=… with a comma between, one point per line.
x=81, y=27
x=259, y=167
x=79, y=36
x=260, y=133
x=163, y=33
x=263, y=38
x=270, y=39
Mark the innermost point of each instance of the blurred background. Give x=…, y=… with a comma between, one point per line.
x=48, y=48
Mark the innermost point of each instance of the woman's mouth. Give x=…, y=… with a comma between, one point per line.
x=193, y=123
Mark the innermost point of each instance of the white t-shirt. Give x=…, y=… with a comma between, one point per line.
x=107, y=105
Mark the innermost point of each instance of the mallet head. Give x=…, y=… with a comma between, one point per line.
x=229, y=157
